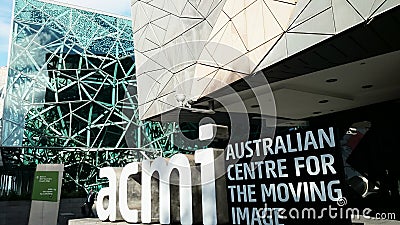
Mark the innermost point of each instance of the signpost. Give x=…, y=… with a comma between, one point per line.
x=45, y=186
x=46, y=194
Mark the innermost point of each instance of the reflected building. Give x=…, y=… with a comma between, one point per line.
x=71, y=93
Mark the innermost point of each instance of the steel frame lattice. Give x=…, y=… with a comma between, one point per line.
x=71, y=93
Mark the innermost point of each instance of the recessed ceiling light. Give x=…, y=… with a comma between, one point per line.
x=323, y=101
x=255, y=106
x=331, y=80
x=315, y=113
x=367, y=86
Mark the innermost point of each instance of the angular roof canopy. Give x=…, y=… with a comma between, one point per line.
x=194, y=48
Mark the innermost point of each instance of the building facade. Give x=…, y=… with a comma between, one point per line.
x=225, y=43
x=3, y=80
x=265, y=68
x=71, y=93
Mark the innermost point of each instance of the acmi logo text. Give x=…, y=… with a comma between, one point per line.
x=205, y=176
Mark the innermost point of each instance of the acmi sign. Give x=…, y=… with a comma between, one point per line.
x=300, y=166
x=205, y=176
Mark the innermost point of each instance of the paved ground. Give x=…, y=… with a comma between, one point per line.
x=375, y=222
x=92, y=221
x=14, y=212
x=17, y=212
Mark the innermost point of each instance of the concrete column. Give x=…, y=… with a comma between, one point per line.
x=46, y=212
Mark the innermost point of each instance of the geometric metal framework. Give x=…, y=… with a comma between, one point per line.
x=71, y=93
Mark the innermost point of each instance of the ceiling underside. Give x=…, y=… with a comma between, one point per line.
x=363, y=60
x=193, y=48
x=363, y=64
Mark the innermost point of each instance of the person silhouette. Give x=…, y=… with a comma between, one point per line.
x=90, y=202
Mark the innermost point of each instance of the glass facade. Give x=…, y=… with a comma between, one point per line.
x=71, y=93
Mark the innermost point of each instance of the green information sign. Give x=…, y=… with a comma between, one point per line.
x=45, y=186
